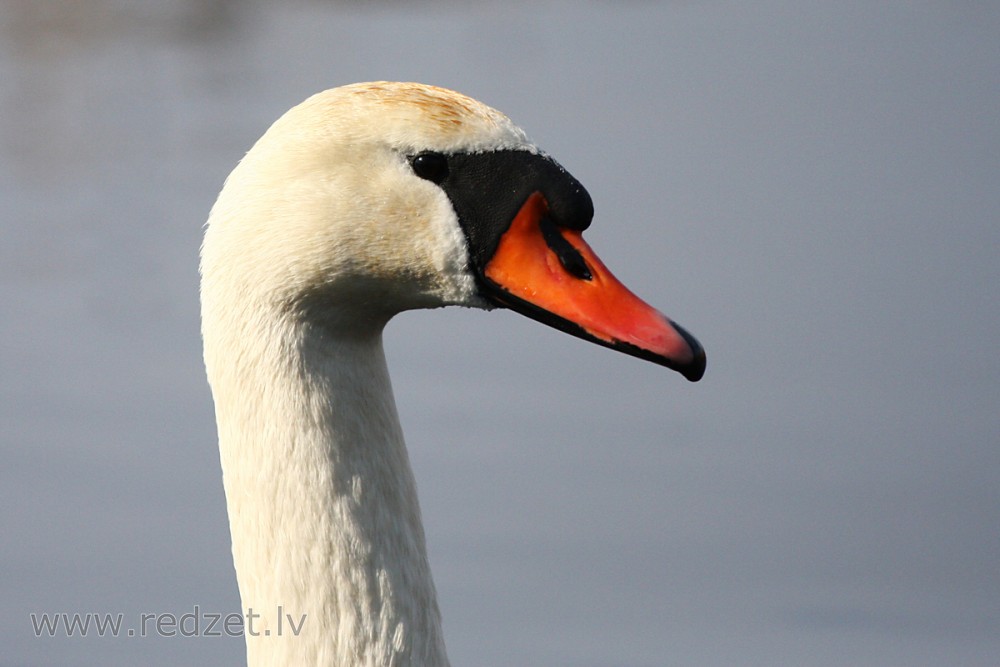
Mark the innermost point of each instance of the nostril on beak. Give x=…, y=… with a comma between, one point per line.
x=569, y=257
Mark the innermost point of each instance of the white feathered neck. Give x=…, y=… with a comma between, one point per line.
x=319, y=236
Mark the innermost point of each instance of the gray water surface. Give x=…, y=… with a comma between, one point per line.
x=811, y=188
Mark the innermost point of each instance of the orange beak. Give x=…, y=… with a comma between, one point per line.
x=551, y=274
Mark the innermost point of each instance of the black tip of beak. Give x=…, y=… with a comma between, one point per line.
x=693, y=370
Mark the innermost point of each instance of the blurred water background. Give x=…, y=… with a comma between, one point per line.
x=810, y=187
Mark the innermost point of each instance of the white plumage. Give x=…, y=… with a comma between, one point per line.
x=321, y=234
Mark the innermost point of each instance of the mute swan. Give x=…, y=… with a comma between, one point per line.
x=361, y=202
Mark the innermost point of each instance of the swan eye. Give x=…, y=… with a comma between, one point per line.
x=430, y=166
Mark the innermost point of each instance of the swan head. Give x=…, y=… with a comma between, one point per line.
x=374, y=198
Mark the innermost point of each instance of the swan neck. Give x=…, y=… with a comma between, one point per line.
x=327, y=538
